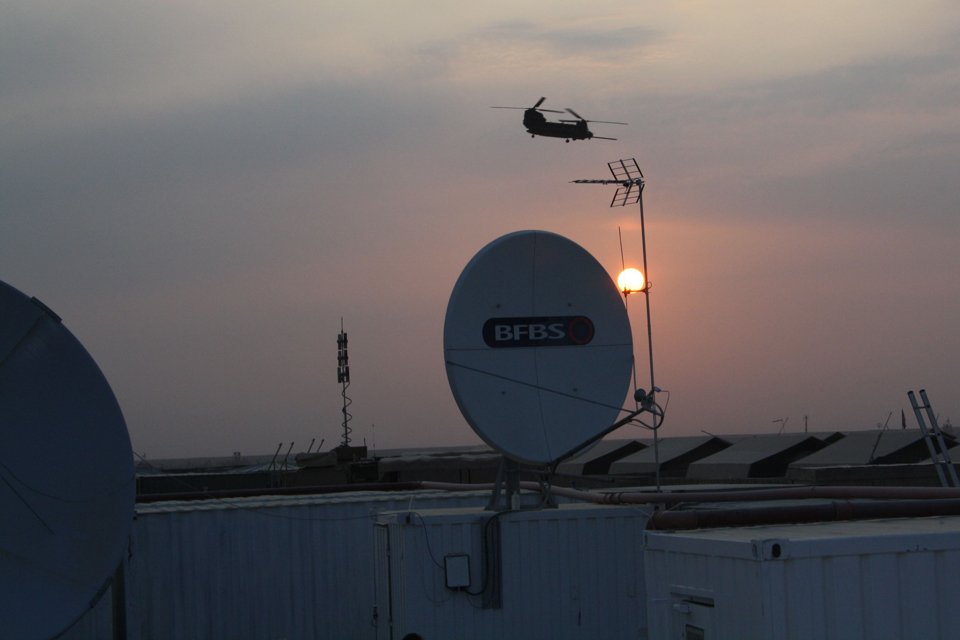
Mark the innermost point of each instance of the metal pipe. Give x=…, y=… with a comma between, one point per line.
x=795, y=514
x=289, y=491
x=633, y=497
x=279, y=446
x=789, y=493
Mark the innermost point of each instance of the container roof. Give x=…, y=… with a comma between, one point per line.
x=755, y=448
x=669, y=450
x=760, y=456
x=603, y=454
x=857, y=448
x=847, y=538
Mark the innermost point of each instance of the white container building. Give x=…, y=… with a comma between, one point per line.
x=270, y=567
x=842, y=580
x=571, y=572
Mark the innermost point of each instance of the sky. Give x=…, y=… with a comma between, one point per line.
x=203, y=189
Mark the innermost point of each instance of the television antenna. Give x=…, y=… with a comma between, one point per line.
x=630, y=182
x=626, y=174
x=783, y=423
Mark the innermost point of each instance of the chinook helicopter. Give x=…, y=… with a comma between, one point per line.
x=537, y=125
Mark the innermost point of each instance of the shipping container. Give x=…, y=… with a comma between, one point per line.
x=570, y=572
x=841, y=580
x=264, y=568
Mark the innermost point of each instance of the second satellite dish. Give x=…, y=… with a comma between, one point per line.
x=66, y=474
x=538, y=346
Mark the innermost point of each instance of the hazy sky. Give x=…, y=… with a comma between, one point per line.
x=202, y=189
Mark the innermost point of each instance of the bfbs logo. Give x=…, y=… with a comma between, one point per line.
x=554, y=331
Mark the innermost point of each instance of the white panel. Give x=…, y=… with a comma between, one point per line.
x=497, y=282
x=252, y=568
x=569, y=281
x=488, y=400
x=381, y=576
x=836, y=581
x=567, y=573
x=569, y=421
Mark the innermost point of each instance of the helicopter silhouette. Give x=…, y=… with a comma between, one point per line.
x=538, y=125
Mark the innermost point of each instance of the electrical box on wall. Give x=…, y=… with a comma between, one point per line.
x=457, y=569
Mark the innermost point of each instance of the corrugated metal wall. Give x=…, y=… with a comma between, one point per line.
x=257, y=568
x=853, y=583
x=574, y=572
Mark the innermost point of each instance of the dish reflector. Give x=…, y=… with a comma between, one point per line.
x=66, y=473
x=538, y=346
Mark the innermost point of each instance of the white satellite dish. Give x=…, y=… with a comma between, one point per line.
x=67, y=485
x=538, y=346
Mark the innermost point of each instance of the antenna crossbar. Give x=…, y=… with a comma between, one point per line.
x=627, y=175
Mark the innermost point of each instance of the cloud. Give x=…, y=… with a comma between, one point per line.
x=202, y=192
x=581, y=41
x=515, y=51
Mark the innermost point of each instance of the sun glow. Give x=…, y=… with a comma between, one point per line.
x=630, y=281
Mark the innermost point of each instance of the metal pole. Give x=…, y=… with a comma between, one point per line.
x=646, y=291
x=118, y=602
x=626, y=305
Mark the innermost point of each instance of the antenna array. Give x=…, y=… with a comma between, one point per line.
x=343, y=377
x=627, y=174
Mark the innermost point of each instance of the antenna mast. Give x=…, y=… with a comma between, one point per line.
x=343, y=377
x=627, y=174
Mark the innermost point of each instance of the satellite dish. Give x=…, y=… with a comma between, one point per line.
x=66, y=473
x=538, y=346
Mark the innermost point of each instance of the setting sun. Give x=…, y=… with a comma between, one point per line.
x=630, y=281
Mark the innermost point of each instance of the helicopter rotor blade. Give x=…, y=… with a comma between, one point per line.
x=602, y=138
x=539, y=102
x=530, y=109
x=581, y=118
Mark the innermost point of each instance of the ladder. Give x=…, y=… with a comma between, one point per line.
x=945, y=466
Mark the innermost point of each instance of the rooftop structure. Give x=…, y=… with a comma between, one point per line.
x=889, y=446
x=571, y=572
x=250, y=568
x=597, y=460
x=756, y=457
x=676, y=454
x=838, y=580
